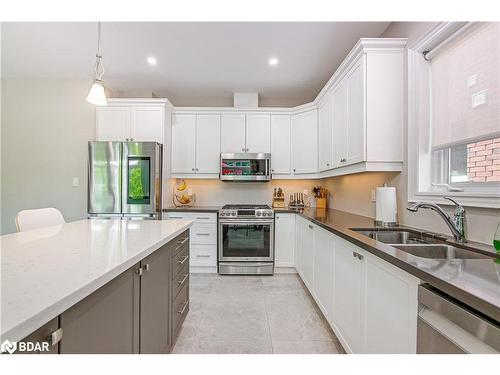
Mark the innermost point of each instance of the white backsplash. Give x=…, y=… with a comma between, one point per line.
x=218, y=193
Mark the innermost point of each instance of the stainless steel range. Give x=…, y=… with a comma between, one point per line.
x=246, y=240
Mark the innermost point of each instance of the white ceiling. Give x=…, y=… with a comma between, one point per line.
x=198, y=63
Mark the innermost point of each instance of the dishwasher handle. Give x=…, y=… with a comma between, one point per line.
x=457, y=323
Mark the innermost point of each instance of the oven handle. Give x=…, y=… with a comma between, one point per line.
x=242, y=221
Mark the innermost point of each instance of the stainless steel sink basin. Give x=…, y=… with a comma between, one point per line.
x=438, y=251
x=394, y=236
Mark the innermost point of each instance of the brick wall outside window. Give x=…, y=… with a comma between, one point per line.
x=483, y=160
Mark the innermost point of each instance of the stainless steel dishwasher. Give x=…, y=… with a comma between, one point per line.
x=446, y=326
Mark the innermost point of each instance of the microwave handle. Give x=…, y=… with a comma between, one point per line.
x=268, y=167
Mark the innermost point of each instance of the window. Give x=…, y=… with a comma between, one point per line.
x=454, y=114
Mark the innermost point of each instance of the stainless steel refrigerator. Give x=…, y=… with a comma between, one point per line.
x=125, y=180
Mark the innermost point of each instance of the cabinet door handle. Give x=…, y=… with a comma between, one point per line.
x=186, y=257
x=181, y=311
x=183, y=241
x=272, y=170
x=310, y=227
x=139, y=271
x=192, y=169
x=360, y=257
x=243, y=149
x=55, y=337
x=183, y=279
x=202, y=256
x=343, y=160
x=327, y=164
x=294, y=169
x=247, y=150
x=147, y=267
x=354, y=254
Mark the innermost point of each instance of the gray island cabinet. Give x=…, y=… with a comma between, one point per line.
x=139, y=311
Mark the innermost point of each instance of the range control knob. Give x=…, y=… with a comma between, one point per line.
x=222, y=214
x=233, y=213
x=259, y=213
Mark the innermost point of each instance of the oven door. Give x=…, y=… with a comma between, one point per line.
x=245, y=167
x=246, y=240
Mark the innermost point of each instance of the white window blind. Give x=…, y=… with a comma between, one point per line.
x=465, y=93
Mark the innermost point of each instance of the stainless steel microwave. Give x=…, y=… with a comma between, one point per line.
x=245, y=167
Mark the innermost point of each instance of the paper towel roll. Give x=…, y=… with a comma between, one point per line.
x=386, y=207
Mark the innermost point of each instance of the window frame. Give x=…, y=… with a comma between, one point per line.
x=419, y=124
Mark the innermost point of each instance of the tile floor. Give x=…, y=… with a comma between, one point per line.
x=253, y=315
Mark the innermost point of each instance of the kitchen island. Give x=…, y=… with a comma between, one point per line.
x=47, y=272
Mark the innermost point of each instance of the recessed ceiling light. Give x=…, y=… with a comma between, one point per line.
x=152, y=60
x=273, y=61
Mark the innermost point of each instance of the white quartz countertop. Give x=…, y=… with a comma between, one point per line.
x=45, y=271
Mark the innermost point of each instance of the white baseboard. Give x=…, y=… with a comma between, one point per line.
x=285, y=270
x=198, y=269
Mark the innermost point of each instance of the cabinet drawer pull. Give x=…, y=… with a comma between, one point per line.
x=202, y=256
x=55, y=337
x=186, y=257
x=183, y=279
x=181, y=311
x=176, y=217
x=183, y=241
x=202, y=218
x=203, y=234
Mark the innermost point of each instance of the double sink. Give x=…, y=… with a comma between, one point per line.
x=419, y=244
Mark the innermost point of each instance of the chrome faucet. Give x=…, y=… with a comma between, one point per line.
x=457, y=226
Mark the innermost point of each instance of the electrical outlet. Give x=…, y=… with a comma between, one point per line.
x=76, y=182
x=373, y=195
x=478, y=98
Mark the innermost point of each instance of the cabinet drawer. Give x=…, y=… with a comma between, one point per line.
x=203, y=255
x=180, y=308
x=204, y=234
x=180, y=260
x=179, y=242
x=197, y=217
x=180, y=280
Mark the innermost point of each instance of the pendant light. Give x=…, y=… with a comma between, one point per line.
x=97, y=95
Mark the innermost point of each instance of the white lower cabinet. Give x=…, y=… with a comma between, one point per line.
x=347, y=311
x=284, y=240
x=371, y=305
x=307, y=258
x=202, y=240
x=323, y=270
x=391, y=308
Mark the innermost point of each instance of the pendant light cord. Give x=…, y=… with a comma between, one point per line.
x=99, y=68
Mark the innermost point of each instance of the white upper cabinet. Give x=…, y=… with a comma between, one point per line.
x=354, y=125
x=126, y=120
x=113, y=123
x=325, y=126
x=258, y=133
x=183, y=144
x=233, y=133
x=339, y=129
x=356, y=111
x=280, y=144
x=305, y=142
x=144, y=126
x=207, y=143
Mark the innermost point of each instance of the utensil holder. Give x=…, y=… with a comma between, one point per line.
x=321, y=202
